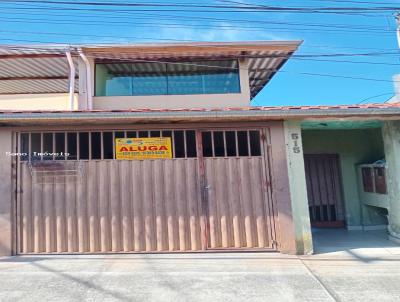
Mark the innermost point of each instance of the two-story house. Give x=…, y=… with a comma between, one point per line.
x=155, y=148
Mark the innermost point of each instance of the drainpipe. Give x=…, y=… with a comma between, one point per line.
x=88, y=80
x=71, y=80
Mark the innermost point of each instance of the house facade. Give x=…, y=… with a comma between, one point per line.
x=155, y=148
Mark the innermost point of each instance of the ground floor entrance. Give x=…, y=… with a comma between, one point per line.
x=213, y=194
x=324, y=190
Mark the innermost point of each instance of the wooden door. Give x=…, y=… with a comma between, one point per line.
x=324, y=190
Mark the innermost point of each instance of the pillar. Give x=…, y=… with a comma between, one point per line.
x=298, y=187
x=391, y=140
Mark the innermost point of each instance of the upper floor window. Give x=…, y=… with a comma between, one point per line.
x=133, y=79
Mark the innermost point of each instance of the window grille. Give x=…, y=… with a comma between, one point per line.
x=96, y=145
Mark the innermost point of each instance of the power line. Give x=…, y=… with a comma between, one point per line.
x=199, y=8
x=175, y=25
x=212, y=20
x=241, y=7
x=375, y=96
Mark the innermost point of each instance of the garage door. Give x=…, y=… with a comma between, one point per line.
x=237, y=191
x=205, y=197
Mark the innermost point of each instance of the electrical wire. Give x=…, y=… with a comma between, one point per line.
x=221, y=27
x=180, y=5
x=211, y=8
x=375, y=96
x=214, y=20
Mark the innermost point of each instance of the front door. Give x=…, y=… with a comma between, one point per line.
x=324, y=190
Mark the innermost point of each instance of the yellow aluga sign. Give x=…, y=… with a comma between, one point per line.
x=143, y=148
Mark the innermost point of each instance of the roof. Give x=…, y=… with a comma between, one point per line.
x=384, y=111
x=44, y=68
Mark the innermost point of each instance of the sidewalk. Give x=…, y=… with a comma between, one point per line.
x=355, y=267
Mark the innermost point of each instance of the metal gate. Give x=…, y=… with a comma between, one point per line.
x=217, y=196
x=324, y=190
x=115, y=206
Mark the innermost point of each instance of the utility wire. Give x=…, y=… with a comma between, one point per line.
x=375, y=96
x=218, y=21
x=240, y=7
x=200, y=8
x=175, y=25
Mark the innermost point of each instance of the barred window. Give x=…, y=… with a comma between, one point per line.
x=97, y=145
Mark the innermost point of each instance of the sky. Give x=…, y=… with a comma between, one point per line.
x=337, y=50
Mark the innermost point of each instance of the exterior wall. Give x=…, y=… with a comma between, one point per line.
x=178, y=101
x=297, y=187
x=354, y=147
x=51, y=101
x=6, y=188
x=169, y=101
x=391, y=137
x=291, y=217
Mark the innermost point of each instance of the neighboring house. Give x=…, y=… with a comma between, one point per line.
x=237, y=177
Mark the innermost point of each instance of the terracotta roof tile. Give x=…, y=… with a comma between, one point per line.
x=260, y=108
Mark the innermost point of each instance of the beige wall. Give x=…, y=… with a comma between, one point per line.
x=298, y=187
x=51, y=101
x=170, y=101
x=178, y=101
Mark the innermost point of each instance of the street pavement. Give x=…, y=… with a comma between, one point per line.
x=347, y=266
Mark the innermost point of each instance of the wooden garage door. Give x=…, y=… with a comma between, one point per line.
x=115, y=206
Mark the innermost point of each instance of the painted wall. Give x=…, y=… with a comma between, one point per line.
x=50, y=101
x=297, y=187
x=391, y=137
x=354, y=147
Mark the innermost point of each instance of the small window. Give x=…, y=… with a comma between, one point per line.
x=72, y=145
x=207, y=144
x=155, y=133
x=368, y=182
x=119, y=134
x=60, y=145
x=191, y=143
x=47, y=146
x=255, y=145
x=25, y=146
x=108, y=145
x=243, y=143
x=84, y=145
x=380, y=180
x=143, y=133
x=179, y=144
x=96, y=145
x=219, y=147
x=230, y=143
x=36, y=143
x=131, y=134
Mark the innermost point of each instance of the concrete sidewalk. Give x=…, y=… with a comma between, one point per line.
x=358, y=273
